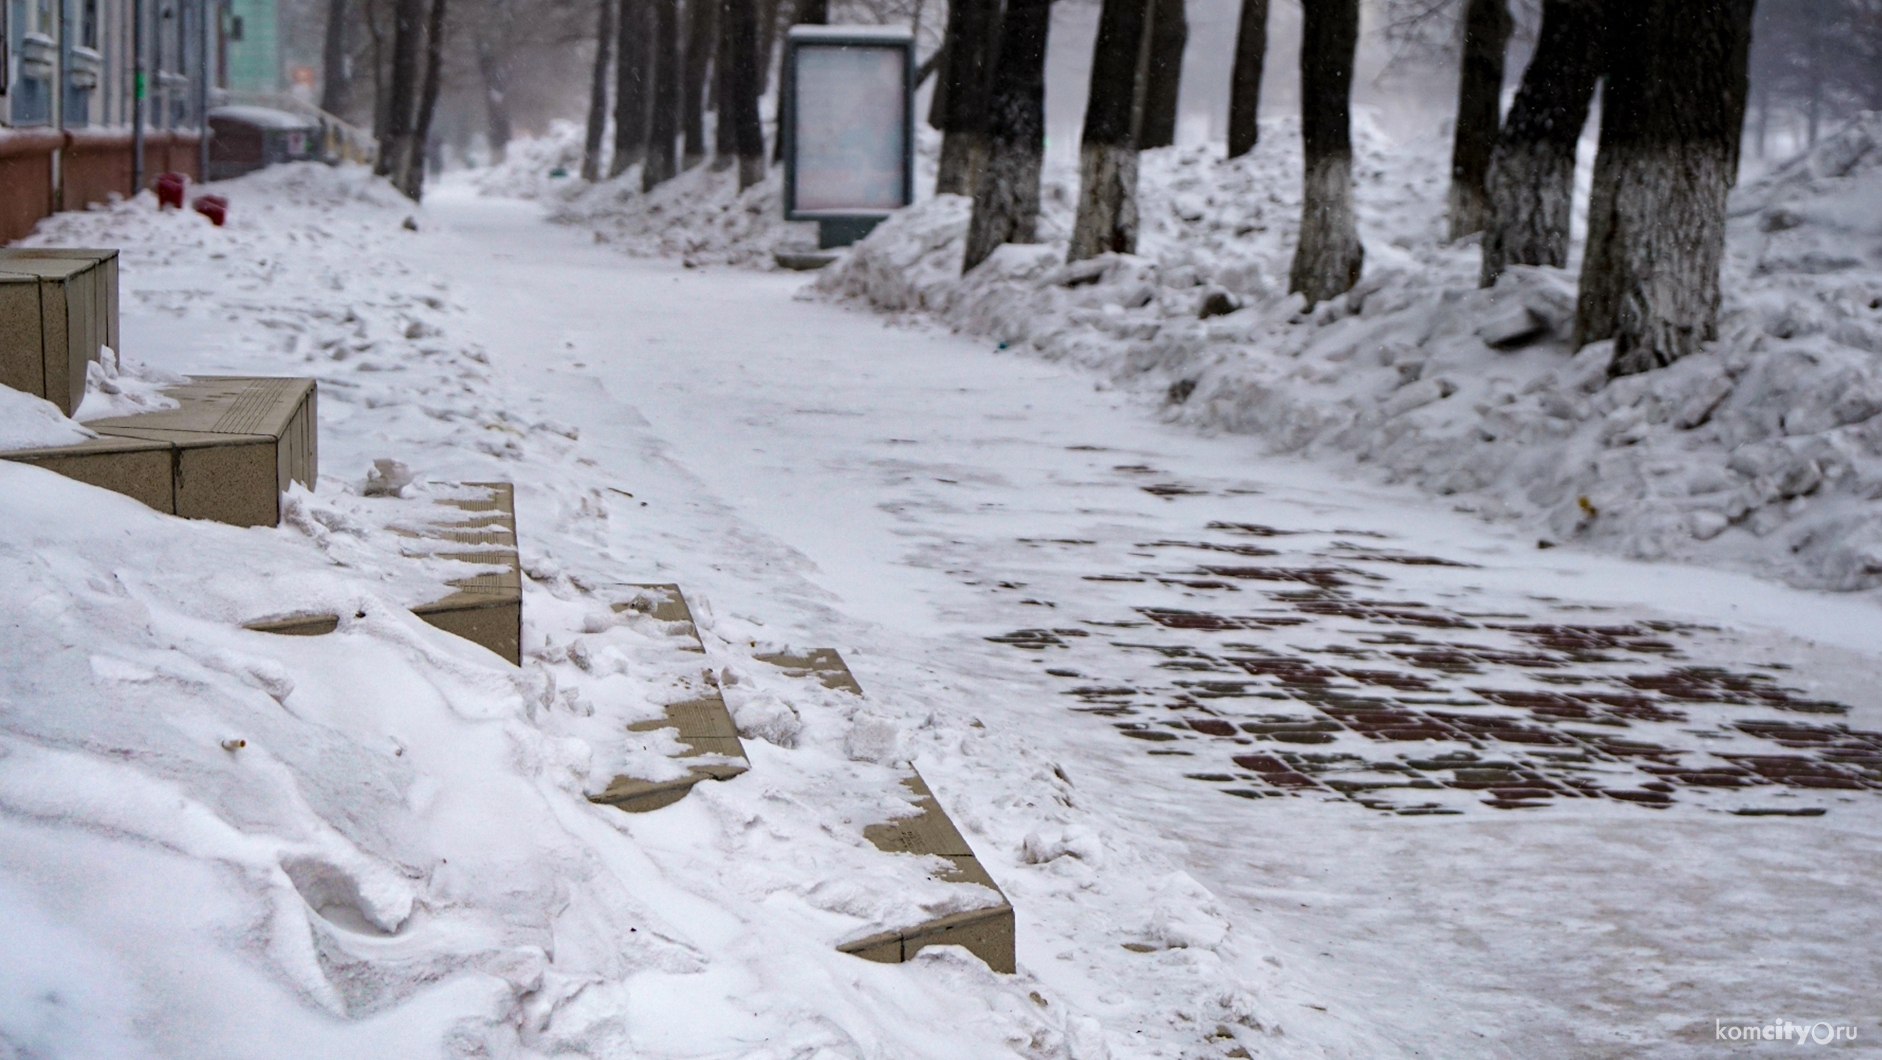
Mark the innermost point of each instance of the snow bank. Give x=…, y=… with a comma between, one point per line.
x=377, y=842
x=1765, y=452
x=30, y=422
x=529, y=161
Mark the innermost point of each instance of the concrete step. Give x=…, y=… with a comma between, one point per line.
x=484, y=609
x=702, y=724
x=986, y=933
x=56, y=308
x=226, y=453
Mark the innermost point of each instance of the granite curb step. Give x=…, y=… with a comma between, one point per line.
x=57, y=307
x=703, y=724
x=986, y=933
x=485, y=609
x=227, y=453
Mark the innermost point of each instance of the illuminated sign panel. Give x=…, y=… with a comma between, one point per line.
x=849, y=122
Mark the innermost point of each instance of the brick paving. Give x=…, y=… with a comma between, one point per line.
x=1296, y=664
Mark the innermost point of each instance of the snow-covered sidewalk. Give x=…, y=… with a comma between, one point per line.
x=812, y=478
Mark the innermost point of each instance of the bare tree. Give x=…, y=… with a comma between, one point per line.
x=1169, y=35
x=1328, y=258
x=1251, y=52
x=663, y=124
x=725, y=130
x=1531, y=182
x=633, y=58
x=744, y=86
x=701, y=34
x=1669, y=150
x=1006, y=199
x=1107, y=154
x=971, y=42
x=397, y=151
x=333, y=64
x=496, y=78
x=1479, y=105
x=598, y=92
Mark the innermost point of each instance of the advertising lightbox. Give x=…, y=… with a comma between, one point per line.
x=848, y=126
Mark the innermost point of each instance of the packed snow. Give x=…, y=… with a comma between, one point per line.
x=1763, y=453
x=376, y=842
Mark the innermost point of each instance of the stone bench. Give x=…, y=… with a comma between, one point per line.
x=56, y=308
x=702, y=724
x=227, y=453
x=485, y=608
x=986, y=933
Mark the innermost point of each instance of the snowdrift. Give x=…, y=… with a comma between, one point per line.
x=1763, y=453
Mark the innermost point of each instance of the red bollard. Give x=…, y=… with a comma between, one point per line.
x=170, y=190
x=214, y=207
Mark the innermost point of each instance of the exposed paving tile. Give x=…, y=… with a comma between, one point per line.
x=486, y=608
x=1305, y=669
x=986, y=932
x=702, y=725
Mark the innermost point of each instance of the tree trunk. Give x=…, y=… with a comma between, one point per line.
x=744, y=85
x=1328, y=259
x=633, y=52
x=496, y=77
x=1251, y=52
x=598, y=93
x=333, y=86
x=427, y=99
x=1669, y=132
x=807, y=13
x=724, y=130
x=938, y=102
x=1532, y=172
x=1479, y=105
x=397, y=152
x=663, y=125
x=381, y=98
x=1169, y=35
x=1006, y=199
x=1107, y=155
x=701, y=31
x=970, y=45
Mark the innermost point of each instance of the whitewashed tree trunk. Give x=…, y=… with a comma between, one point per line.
x=1006, y=198
x=1329, y=257
x=1532, y=172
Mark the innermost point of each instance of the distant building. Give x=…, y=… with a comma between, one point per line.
x=251, y=35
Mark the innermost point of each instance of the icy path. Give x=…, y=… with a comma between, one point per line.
x=814, y=478
x=871, y=487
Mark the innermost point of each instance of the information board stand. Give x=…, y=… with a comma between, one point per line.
x=848, y=128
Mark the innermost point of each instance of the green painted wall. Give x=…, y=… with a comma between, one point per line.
x=255, y=60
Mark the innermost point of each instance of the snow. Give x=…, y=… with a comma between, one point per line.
x=1761, y=454
x=376, y=842
x=28, y=421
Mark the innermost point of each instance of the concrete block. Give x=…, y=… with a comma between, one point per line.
x=106, y=261
x=484, y=609
x=52, y=321
x=142, y=470
x=225, y=454
x=702, y=725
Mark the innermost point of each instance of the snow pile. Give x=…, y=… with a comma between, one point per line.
x=30, y=422
x=529, y=163
x=377, y=842
x=1765, y=452
x=699, y=216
